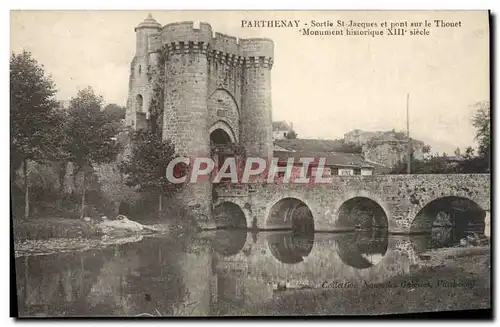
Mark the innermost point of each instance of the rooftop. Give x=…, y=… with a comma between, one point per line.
x=149, y=22
x=336, y=159
x=309, y=145
x=281, y=126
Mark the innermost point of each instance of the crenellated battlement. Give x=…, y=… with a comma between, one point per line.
x=187, y=32
x=256, y=47
x=192, y=37
x=226, y=44
x=185, y=48
x=232, y=60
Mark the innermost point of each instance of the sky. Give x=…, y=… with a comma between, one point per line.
x=325, y=85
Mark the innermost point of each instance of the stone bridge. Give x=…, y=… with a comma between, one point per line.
x=395, y=201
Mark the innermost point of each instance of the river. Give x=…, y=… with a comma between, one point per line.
x=212, y=273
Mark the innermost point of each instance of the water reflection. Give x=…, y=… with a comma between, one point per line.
x=362, y=250
x=229, y=242
x=291, y=247
x=214, y=275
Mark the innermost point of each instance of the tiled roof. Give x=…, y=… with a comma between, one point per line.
x=336, y=159
x=281, y=126
x=310, y=145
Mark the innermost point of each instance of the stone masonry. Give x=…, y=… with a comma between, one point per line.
x=210, y=81
x=400, y=196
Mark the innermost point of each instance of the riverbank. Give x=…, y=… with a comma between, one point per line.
x=448, y=279
x=48, y=228
x=52, y=235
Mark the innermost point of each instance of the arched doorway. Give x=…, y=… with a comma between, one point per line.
x=138, y=103
x=361, y=213
x=219, y=137
x=221, y=133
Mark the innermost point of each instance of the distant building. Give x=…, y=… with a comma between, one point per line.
x=358, y=136
x=387, y=148
x=281, y=129
x=308, y=145
x=336, y=163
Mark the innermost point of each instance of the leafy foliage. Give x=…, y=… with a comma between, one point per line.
x=461, y=164
x=146, y=166
x=349, y=147
x=90, y=132
x=115, y=112
x=481, y=121
x=291, y=135
x=36, y=124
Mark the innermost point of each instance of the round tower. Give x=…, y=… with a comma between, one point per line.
x=143, y=31
x=256, y=110
x=140, y=88
x=185, y=120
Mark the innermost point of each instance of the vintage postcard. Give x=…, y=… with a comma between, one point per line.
x=250, y=163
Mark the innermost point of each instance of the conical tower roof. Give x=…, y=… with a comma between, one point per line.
x=149, y=22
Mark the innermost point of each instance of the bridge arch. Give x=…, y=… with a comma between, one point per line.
x=229, y=215
x=290, y=213
x=448, y=211
x=361, y=212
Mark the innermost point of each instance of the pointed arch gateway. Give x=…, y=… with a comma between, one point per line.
x=224, y=113
x=221, y=133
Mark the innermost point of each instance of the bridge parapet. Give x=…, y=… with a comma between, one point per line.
x=401, y=197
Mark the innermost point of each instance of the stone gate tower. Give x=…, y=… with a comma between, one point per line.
x=217, y=90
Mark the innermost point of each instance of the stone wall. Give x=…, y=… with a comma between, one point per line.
x=389, y=153
x=384, y=147
x=400, y=196
x=210, y=81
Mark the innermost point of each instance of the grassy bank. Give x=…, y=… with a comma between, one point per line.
x=47, y=228
x=451, y=280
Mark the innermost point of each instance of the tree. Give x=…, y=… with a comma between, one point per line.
x=434, y=165
x=35, y=123
x=115, y=112
x=291, y=135
x=91, y=135
x=349, y=147
x=146, y=166
x=457, y=152
x=481, y=121
x=469, y=152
